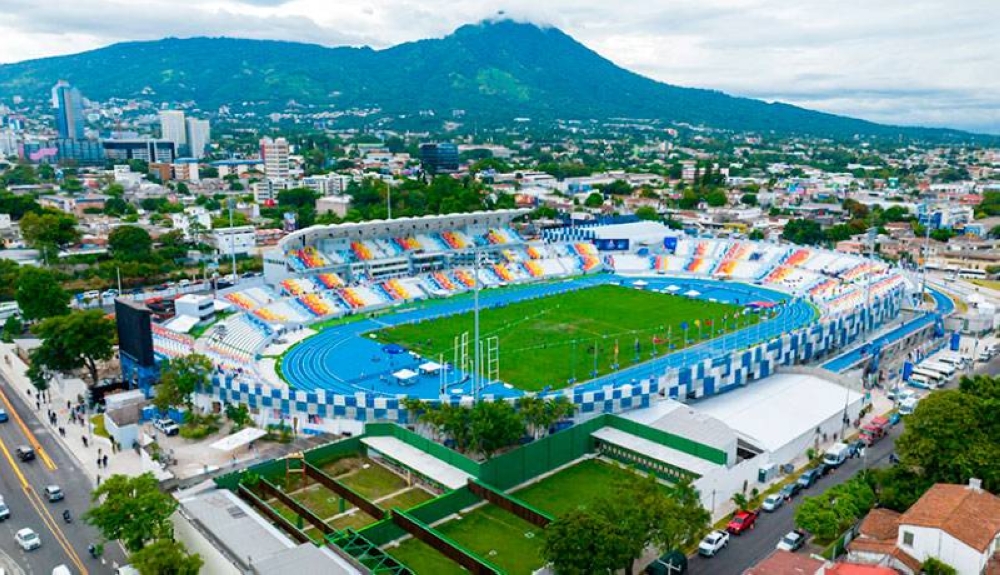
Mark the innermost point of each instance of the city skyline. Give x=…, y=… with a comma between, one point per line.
x=883, y=63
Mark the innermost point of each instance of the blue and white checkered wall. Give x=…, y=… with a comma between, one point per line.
x=708, y=377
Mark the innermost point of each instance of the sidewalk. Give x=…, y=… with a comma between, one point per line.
x=126, y=462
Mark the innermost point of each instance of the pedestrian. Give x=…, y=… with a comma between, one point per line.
x=98, y=451
x=105, y=461
x=69, y=405
x=98, y=462
x=98, y=479
x=84, y=438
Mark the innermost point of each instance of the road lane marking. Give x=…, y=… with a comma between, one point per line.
x=27, y=432
x=36, y=502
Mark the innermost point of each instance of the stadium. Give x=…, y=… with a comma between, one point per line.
x=607, y=315
x=679, y=352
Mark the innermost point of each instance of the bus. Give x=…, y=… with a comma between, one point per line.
x=920, y=381
x=946, y=370
x=971, y=274
x=8, y=309
x=930, y=376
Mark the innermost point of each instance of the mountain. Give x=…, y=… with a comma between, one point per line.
x=495, y=71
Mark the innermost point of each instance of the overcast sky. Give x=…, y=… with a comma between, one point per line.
x=918, y=62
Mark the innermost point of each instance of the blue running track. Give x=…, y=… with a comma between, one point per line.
x=341, y=359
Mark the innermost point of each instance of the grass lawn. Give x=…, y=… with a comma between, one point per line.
x=355, y=521
x=423, y=559
x=407, y=499
x=499, y=537
x=557, y=335
x=99, y=429
x=321, y=501
x=373, y=482
x=991, y=284
x=342, y=465
x=574, y=487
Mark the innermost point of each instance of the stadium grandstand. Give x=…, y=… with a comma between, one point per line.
x=326, y=272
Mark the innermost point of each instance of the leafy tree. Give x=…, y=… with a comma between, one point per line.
x=17, y=206
x=297, y=197
x=38, y=376
x=749, y=199
x=539, y=414
x=180, y=378
x=585, y=542
x=39, y=294
x=166, y=557
x=756, y=235
x=131, y=509
x=934, y=566
x=78, y=340
x=129, y=243
x=239, y=414
x=12, y=328
x=19, y=175
x=639, y=514
x=716, y=198
x=829, y=514
x=49, y=231
x=647, y=213
x=618, y=188
x=208, y=172
x=803, y=232
x=898, y=487
x=118, y=207
x=942, y=234
x=493, y=426
x=689, y=200
x=594, y=200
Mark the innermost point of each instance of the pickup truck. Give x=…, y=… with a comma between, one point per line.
x=792, y=541
x=742, y=521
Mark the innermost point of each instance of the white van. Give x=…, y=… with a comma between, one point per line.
x=947, y=371
x=920, y=381
x=836, y=455
x=907, y=406
x=61, y=570
x=956, y=361
x=931, y=377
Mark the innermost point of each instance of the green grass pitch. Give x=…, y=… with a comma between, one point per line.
x=423, y=559
x=548, y=342
x=575, y=487
x=499, y=537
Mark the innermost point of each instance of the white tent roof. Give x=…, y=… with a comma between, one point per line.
x=238, y=439
x=430, y=367
x=640, y=283
x=673, y=288
x=692, y=293
x=405, y=374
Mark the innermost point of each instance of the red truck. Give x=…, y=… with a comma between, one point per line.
x=742, y=521
x=874, y=430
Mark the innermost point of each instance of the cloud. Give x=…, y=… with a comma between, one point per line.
x=897, y=61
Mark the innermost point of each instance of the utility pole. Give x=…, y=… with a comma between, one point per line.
x=476, y=359
x=232, y=241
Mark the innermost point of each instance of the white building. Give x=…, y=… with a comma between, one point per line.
x=172, y=127
x=239, y=240
x=8, y=143
x=199, y=307
x=267, y=191
x=326, y=184
x=199, y=134
x=275, y=153
x=957, y=524
x=193, y=221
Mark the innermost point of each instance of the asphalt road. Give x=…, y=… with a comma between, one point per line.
x=746, y=550
x=22, y=485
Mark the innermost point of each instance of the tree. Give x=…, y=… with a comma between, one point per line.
x=756, y=235
x=584, y=542
x=641, y=513
x=803, y=232
x=540, y=414
x=49, y=231
x=38, y=376
x=9, y=273
x=934, y=566
x=131, y=509
x=749, y=199
x=297, y=197
x=12, y=328
x=180, y=378
x=716, y=198
x=115, y=206
x=130, y=243
x=829, y=514
x=166, y=557
x=493, y=426
x=39, y=294
x=594, y=200
x=239, y=414
x=78, y=340
x=647, y=213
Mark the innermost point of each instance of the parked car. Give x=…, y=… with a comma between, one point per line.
x=713, y=543
x=168, y=426
x=53, y=493
x=809, y=478
x=742, y=521
x=773, y=502
x=4, y=510
x=27, y=539
x=855, y=447
x=793, y=540
x=3, y=416
x=790, y=490
x=670, y=563
x=25, y=453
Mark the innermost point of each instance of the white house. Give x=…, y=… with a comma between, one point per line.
x=956, y=524
x=238, y=239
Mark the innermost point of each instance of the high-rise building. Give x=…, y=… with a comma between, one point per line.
x=275, y=152
x=199, y=134
x=439, y=158
x=158, y=151
x=68, y=104
x=173, y=128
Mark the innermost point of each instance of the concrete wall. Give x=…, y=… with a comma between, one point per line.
x=215, y=562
